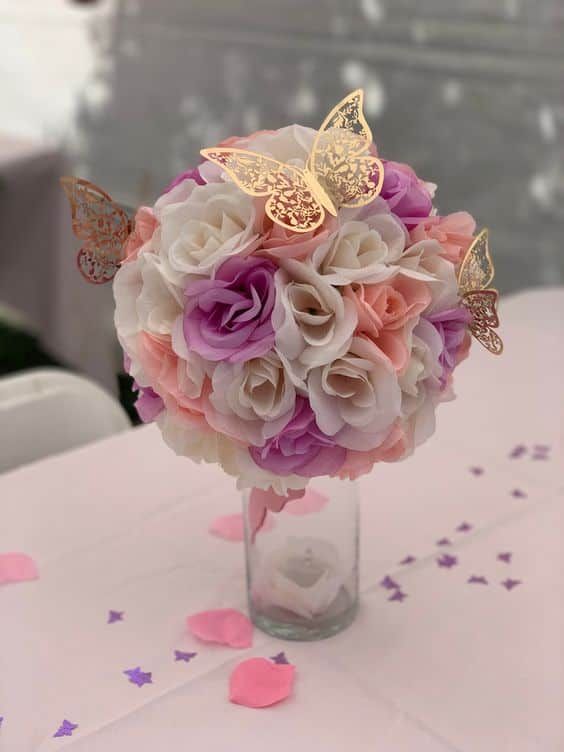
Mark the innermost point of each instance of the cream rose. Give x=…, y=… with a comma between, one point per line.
x=420, y=381
x=206, y=225
x=189, y=436
x=159, y=302
x=313, y=323
x=361, y=251
x=254, y=399
x=356, y=397
x=291, y=145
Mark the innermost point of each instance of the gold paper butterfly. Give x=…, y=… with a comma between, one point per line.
x=101, y=224
x=338, y=173
x=476, y=273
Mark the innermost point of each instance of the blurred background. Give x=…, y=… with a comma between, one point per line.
x=126, y=92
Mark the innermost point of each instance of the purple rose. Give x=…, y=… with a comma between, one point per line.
x=405, y=194
x=451, y=326
x=300, y=448
x=229, y=317
x=191, y=174
x=148, y=404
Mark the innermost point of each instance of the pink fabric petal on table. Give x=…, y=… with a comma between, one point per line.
x=17, y=567
x=312, y=501
x=225, y=626
x=259, y=683
x=231, y=527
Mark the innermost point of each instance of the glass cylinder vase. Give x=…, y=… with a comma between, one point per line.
x=302, y=565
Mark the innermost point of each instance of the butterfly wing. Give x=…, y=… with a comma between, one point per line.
x=477, y=269
x=337, y=161
x=482, y=304
x=291, y=203
x=102, y=226
x=355, y=181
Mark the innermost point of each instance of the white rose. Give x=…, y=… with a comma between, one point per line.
x=127, y=288
x=356, y=397
x=291, y=145
x=313, y=323
x=255, y=399
x=420, y=380
x=189, y=436
x=159, y=302
x=210, y=224
x=192, y=369
x=361, y=251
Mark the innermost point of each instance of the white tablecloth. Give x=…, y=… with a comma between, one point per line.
x=38, y=274
x=456, y=666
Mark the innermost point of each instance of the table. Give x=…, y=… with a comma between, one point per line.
x=457, y=665
x=38, y=274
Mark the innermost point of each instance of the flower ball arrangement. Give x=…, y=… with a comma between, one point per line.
x=294, y=306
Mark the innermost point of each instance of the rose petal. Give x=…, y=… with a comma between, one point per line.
x=259, y=683
x=225, y=626
x=17, y=567
x=261, y=501
x=312, y=501
x=231, y=527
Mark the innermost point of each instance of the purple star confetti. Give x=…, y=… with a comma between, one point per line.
x=464, y=527
x=138, y=677
x=509, y=584
x=477, y=580
x=398, y=596
x=65, y=729
x=540, y=456
x=408, y=560
x=543, y=448
x=114, y=616
x=179, y=655
x=447, y=561
x=505, y=557
x=477, y=470
x=517, y=493
x=518, y=451
x=388, y=583
x=280, y=659
x=443, y=542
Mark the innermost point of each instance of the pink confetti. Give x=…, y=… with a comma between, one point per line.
x=17, y=567
x=260, y=683
x=225, y=626
x=312, y=501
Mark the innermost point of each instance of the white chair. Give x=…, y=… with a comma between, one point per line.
x=47, y=411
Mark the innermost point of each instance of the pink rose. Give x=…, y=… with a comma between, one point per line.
x=385, y=309
x=145, y=225
x=454, y=232
x=161, y=365
x=278, y=242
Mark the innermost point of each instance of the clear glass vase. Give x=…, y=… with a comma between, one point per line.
x=302, y=565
